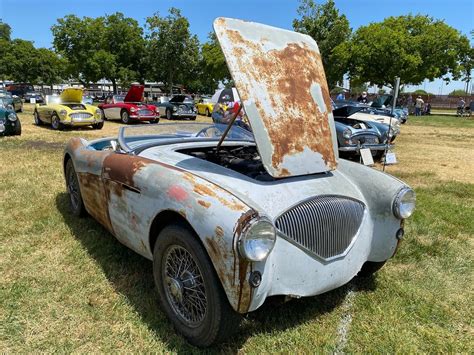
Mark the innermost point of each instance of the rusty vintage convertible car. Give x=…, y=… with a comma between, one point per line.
x=272, y=212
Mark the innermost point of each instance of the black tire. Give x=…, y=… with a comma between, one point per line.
x=218, y=320
x=157, y=120
x=370, y=267
x=37, y=118
x=208, y=114
x=76, y=203
x=125, y=117
x=103, y=114
x=18, y=128
x=56, y=123
x=98, y=125
x=193, y=118
x=168, y=114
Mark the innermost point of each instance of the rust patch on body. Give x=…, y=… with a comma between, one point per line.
x=242, y=266
x=219, y=232
x=122, y=167
x=295, y=121
x=204, y=203
x=205, y=190
x=95, y=198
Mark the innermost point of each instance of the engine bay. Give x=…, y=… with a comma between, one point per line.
x=75, y=106
x=243, y=159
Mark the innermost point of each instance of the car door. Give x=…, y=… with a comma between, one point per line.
x=124, y=199
x=106, y=108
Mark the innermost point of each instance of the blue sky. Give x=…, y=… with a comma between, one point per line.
x=32, y=19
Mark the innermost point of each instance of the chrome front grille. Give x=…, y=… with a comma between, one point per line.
x=80, y=116
x=324, y=225
x=365, y=139
x=145, y=112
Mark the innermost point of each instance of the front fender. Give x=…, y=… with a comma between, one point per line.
x=216, y=215
x=379, y=190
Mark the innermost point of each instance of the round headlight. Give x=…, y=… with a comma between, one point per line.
x=257, y=240
x=10, y=106
x=347, y=133
x=12, y=117
x=133, y=109
x=63, y=113
x=404, y=203
x=98, y=112
x=175, y=108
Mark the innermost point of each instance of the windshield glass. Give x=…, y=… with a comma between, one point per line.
x=119, y=98
x=135, y=137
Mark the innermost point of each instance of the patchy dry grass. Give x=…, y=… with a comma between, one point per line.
x=68, y=285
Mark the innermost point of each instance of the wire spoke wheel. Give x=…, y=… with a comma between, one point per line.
x=184, y=285
x=73, y=189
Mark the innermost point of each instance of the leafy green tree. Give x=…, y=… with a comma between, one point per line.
x=458, y=93
x=213, y=64
x=17, y=61
x=50, y=68
x=330, y=30
x=109, y=47
x=414, y=48
x=173, y=53
x=5, y=31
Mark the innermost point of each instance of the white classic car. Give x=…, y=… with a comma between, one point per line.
x=232, y=217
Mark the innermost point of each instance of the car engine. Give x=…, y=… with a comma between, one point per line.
x=243, y=159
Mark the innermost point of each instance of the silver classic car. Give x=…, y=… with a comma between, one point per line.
x=231, y=217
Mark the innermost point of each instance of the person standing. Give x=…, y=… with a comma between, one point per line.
x=419, y=103
x=340, y=96
x=363, y=98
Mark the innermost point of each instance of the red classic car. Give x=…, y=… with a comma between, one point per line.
x=129, y=107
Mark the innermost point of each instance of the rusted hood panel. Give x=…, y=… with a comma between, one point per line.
x=280, y=78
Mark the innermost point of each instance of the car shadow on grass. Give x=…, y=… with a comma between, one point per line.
x=131, y=275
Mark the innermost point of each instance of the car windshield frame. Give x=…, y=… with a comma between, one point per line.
x=179, y=136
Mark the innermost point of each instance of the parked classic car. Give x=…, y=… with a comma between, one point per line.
x=9, y=122
x=354, y=135
x=37, y=97
x=205, y=107
x=179, y=106
x=130, y=107
x=264, y=214
x=67, y=110
x=370, y=116
x=19, y=89
x=11, y=101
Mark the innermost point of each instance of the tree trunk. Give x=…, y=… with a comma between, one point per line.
x=114, y=84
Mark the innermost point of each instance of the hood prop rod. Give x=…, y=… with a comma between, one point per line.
x=232, y=120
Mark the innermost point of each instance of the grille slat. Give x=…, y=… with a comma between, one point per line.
x=145, y=112
x=80, y=115
x=324, y=225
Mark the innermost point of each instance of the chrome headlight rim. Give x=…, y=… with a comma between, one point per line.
x=400, y=201
x=10, y=107
x=175, y=108
x=12, y=116
x=347, y=133
x=62, y=113
x=98, y=113
x=245, y=244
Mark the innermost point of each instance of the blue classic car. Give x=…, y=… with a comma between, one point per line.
x=9, y=123
x=354, y=135
x=179, y=106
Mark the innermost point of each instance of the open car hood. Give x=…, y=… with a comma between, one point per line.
x=347, y=110
x=281, y=81
x=134, y=94
x=72, y=95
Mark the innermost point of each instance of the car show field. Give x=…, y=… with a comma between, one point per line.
x=69, y=285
